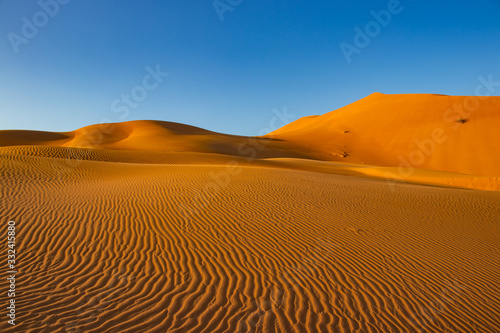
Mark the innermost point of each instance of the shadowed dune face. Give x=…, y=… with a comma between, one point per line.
x=23, y=137
x=437, y=132
x=147, y=135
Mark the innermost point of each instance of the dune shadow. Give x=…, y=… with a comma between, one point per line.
x=26, y=137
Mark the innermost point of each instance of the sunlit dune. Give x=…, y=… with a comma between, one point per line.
x=150, y=226
x=447, y=133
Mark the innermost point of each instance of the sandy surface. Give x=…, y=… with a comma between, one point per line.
x=196, y=232
x=413, y=131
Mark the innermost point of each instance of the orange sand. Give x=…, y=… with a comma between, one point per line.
x=163, y=227
x=409, y=132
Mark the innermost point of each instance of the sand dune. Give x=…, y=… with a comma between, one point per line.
x=419, y=131
x=151, y=226
x=402, y=137
x=148, y=135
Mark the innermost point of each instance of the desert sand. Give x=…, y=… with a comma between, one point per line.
x=151, y=226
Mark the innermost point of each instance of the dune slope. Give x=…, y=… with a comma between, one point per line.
x=149, y=135
x=447, y=133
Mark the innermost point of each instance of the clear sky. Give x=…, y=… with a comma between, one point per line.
x=230, y=63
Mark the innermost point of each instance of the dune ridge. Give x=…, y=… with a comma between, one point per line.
x=421, y=131
x=149, y=135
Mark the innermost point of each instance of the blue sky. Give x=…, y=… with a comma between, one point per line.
x=230, y=63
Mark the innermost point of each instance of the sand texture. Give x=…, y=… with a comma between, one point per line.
x=150, y=226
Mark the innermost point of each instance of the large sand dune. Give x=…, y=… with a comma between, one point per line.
x=448, y=133
x=151, y=226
